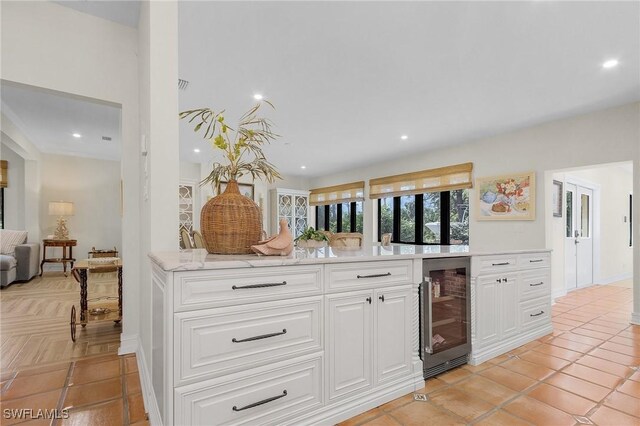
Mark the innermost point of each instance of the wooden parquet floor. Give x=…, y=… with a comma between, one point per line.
x=35, y=316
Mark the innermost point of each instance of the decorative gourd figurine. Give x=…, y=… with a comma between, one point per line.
x=277, y=245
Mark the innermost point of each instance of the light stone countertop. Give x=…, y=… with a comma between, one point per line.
x=188, y=260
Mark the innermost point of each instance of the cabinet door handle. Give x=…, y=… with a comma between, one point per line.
x=381, y=298
x=535, y=260
x=536, y=284
x=374, y=275
x=264, y=401
x=499, y=280
x=368, y=300
x=505, y=280
x=501, y=264
x=240, y=287
x=536, y=315
x=263, y=336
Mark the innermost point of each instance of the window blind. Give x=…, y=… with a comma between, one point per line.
x=346, y=193
x=441, y=179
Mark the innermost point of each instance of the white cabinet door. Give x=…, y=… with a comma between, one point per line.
x=349, y=329
x=392, y=333
x=509, y=308
x=488, y=309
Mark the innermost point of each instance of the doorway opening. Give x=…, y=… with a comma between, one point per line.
x=64, y=194
x=591, y=225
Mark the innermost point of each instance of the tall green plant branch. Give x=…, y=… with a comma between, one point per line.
x=252, y=133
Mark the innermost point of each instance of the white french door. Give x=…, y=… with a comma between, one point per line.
x=578, y=246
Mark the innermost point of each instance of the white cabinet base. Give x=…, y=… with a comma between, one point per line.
x=351, y=407
x=482, y=355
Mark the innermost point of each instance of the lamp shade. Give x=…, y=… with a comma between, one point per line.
x=60, y=208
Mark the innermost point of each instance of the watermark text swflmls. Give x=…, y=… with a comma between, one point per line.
x=35, y=413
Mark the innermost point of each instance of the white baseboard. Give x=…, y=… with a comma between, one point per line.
x=613, y=279
x=128, y=344
x=148, y=395
x=635, y=318
x=558, y=293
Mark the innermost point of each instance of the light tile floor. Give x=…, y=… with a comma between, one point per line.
x=585, y=372
x=96, y=391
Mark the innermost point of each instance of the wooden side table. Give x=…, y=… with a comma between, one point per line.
x=66, y=258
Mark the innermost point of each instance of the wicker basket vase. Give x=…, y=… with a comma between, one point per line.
x=230, y=223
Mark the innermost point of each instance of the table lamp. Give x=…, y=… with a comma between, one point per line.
x=61, y=209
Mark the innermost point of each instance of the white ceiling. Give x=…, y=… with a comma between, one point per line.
x=123, y=12
x=49, y=120
x=348, y=78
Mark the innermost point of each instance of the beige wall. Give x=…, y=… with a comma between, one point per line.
x=572, y=142
x=94, y=188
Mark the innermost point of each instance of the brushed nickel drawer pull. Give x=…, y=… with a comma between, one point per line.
x=374, y=275
x=537, y=284
x=263, y=336
x=536, y=315
x=264, y=401
x=236, y=287
x=501, y=264
x=536, y=260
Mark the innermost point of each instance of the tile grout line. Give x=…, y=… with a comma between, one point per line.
x=63, y=394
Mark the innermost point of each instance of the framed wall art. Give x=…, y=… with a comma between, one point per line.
x=556, y=200
x=246, y=189
x=507, y=197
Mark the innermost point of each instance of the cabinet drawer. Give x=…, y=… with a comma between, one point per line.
x=533, y=284
x=493, y=264
x=265, y=395
x=208, y=289
x=535, y=313
x=220, y=341
x=534, y=260
x=353, y=276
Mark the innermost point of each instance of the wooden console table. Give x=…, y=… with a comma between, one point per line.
x=66, y=258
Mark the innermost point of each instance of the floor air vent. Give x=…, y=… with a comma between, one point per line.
x=434, y=371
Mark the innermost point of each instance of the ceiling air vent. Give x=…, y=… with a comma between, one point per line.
x=182, y=84
x=106, y=138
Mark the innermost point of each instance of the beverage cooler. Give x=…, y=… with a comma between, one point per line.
x=445, y=314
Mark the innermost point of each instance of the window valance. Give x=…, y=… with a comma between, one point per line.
x=346, y=193
x=441, y=179
x=4, y=168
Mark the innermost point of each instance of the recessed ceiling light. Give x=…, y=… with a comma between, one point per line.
x=76, y=135
x=404, y=137
x=196, y=150
x=257, y=97
x=303, y=167
x=611, y=63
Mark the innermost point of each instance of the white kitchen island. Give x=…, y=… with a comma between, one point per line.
x=318, y=336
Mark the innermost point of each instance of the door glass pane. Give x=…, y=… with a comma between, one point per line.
x=408, y=219
x=386, y=216
x=584, y=216
x=346, y=217
x=333, y=218
x=569, y=214
x=320, y=217
x=449, y=308
x=431, y=227
x=359, y=217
